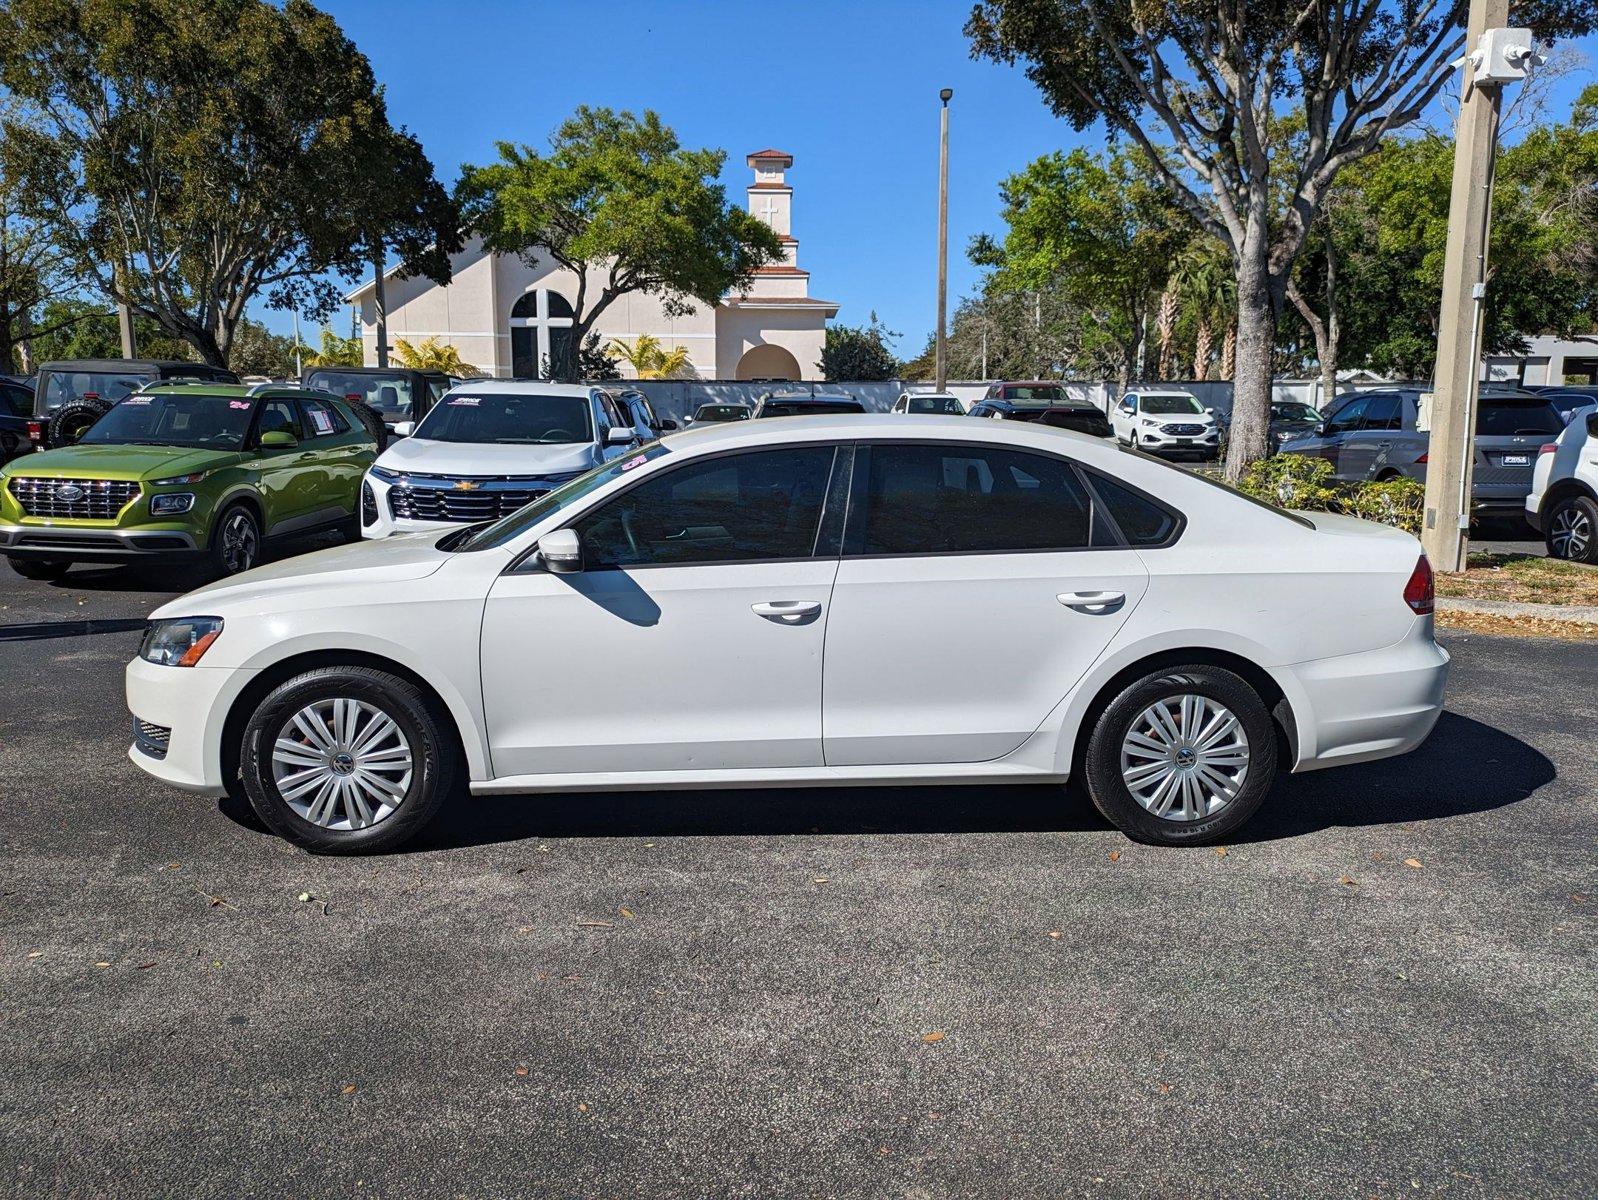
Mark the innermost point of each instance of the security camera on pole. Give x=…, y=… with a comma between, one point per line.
x=1498, y=56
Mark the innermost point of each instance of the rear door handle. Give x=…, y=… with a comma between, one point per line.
x=788, y=612
x=1092, y=602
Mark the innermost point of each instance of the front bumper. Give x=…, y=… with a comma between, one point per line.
x=1157, y=441
x=1359, y=707
x=192, y=704
x=85, y=542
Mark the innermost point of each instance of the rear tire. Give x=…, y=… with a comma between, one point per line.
x=41, y=568
x=347, y=760
x=1572, y=530
x=235, y=541
x=72, y=420
x=1162, y=782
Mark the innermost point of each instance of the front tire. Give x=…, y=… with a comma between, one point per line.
x=1572, y=526
x=347, y=760
x=41, y=568
x=235, y=541
x=1183, y=756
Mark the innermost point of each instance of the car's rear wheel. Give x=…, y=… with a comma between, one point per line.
x=1572, y=529
x=40, y=568
x=235, y=541
x=1182, y=756
x=347, y=760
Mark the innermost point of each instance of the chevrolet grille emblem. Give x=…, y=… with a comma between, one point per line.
x=467, y=485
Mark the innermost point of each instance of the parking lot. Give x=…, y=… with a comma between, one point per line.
x=1385, y=989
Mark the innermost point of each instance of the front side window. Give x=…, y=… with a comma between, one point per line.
x=282, y=416
x=745, y=507
x=186, y=418
x=18, y=401
x=521, y=418
x=961, y=499
x=1384, y=411
x=1348, y=417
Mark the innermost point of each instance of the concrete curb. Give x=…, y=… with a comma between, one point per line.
x=1573, y=614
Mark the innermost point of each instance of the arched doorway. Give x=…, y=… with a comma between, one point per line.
x=540, y=332
x=768, y=362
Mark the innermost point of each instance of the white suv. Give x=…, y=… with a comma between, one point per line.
x=1166, y=422
x=1563, y=503
x=486, y=449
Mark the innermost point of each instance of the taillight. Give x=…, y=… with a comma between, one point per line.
x=1422, y=459
x=36, y=432
x=1547, y=448
x=1420, y=593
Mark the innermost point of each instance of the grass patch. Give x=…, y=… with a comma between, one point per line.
x=1524, y=577
x=1503, y=626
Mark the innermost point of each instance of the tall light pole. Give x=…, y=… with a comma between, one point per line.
x=943, y=242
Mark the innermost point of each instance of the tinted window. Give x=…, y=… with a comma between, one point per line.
x=935, y=404
x=63, y=387
x=1385, y=410
x=808, y=408
x=1348, y=417
x=321, y=419
x=1501, y=418
x=16, y=400
x=389, y=394
x=1142, y=522
x=508, y=418
x=956, y=498
x=735, y=508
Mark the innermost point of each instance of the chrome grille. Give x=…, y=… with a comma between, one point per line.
x=75, y=499
x=419, y=499
x=1182, y=430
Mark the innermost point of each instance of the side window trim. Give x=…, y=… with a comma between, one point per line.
x=1090, y=477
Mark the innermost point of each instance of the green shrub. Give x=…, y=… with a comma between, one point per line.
x=1396, y=502
x=1291, y=481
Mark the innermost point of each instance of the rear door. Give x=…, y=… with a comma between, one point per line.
x=1361, y=447
x=337, y=462
x=977, y=586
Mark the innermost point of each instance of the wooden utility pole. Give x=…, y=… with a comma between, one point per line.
x=942, y=365
x=1445, y=535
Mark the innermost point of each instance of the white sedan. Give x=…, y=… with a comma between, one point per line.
x=813, y=601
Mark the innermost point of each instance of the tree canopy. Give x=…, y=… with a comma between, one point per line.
x=191, y=156
x=618, y=201
x=859, y=352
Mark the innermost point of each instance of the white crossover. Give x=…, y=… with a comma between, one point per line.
x=487, y=448
x=820, y=600
x=1563, y=504
x=1166, y=422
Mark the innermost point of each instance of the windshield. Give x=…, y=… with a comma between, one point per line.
x=1171, y=406
x=936, y=404
x=1294, y=412
x=1041, y=393
x=508, y=528
x=389, y=394
x=721, y=412
x=63, y=387
x=1507, y=418
x=188, y=419
x=509, y=418
x=808, y=408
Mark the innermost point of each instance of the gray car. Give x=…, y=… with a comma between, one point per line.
x=1372, y=435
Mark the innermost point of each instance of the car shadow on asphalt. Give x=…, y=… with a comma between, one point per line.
x=1464, y=767
x=36, y=631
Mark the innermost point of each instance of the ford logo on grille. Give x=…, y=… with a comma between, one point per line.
x=70, y=492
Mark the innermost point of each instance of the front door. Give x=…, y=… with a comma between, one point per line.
x=977, y=587
x=288, y=489
x=690, y=641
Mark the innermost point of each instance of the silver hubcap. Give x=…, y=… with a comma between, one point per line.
x=240, y=543
x=342, y=763
x=1570, y=534
x=1185, y=757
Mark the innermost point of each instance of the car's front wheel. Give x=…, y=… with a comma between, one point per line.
x=40, y=568
x=347, y=760
x=1182, y=756
x=236, y=541
x=1572, y=529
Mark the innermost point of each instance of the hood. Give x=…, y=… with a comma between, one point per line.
x=383, y=561
x=427, y=457
x=120, y=462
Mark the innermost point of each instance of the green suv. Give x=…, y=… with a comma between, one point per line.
x=202, y=471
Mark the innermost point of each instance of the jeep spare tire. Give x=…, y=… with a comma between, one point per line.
x=72, y=420
x=373, y=420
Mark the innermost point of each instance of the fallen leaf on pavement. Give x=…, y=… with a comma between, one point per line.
x=1347, y=882
x=1115, y=856
x=349, y=1090
x=35, y=953
x=581, y=1107
x=1412, y=862
x=1165, y=1089
x=1220, y=852
x=521, y=1070
x=820, y=879
x=102, y=964
x=145, y=966
x=1054, y=933
x=627, y=913
x=937, y=1035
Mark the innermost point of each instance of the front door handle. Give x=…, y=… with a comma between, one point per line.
x=788, y=612
x=1092, y=602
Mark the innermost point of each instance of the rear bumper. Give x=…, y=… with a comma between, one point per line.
x=1360, y=707
x=61, y=541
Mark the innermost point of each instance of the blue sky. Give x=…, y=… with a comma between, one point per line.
x=850, y=89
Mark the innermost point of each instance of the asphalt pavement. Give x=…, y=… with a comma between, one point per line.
x=1384, y=988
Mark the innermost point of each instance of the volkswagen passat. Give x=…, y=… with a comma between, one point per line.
x=827, y=600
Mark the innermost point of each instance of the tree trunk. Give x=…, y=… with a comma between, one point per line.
x=1229, y=354
x=25, y=362
x=380, y=305
x=1165, y=322
x=1256, y=348
x=1202, y=339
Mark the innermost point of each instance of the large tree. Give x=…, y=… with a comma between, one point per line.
x=1216, y=78
x=1099, y=231
x=863, y=352
x=192, y=156
x=620, y=203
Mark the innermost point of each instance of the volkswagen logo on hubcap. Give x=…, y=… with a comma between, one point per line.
x=1185, y=756
x=343, y=763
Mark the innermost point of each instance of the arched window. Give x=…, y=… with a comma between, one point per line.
x=540, y=332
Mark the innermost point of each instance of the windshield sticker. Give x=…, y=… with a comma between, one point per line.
x=637, y=461
x=464, y=402
x=137, y=400
x=238, y=404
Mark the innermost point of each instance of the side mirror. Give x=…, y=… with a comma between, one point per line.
x=561, y=551
x=1209, y=410
x=620, y=435
x=404, y=428
x=278, y=439
x=667, y=425
x=1323, y=428
x=1592, y=424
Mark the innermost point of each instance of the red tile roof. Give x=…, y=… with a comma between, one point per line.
x=783, y=155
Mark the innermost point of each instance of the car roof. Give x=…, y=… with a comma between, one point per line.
x=1159, y=391
x=121, y=364
x=872, y=426
x=525, y=387
x=392, y=369
x=231, y=391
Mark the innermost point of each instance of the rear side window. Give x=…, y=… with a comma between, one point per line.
x=1142, y=522
x=963, y=499
x=1384, y=411
x=1500, y=418
x=735, y=508
x=321, y=419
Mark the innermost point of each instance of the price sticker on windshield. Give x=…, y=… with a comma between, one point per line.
x=238, y=404
x=137, y=400
x=637, y=461
x=464, y=402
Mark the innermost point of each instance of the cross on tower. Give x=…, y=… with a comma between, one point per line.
x=771, y=211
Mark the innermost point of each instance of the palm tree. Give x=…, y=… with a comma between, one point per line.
x=428, y=355
x=648, y=360
x=1205, y=280
x=335, y=352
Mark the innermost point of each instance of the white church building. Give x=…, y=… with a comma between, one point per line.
x=506, y=315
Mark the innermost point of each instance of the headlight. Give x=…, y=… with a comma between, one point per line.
x=1151, y=420
x=167, y=503
x=384, y=474
x=177, y=479
x=180, y=642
